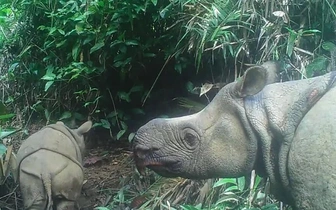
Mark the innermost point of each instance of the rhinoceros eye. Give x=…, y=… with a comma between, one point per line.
x=190, y=137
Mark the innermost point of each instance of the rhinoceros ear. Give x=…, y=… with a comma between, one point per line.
x=252, y=82
x=84, y=128
x=60, y=123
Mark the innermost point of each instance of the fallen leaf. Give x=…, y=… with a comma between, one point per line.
x=92, y=160
x=205, y=88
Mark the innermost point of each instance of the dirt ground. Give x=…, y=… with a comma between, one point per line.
x=104, y=169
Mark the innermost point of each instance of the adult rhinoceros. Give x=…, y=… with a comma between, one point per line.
x=286, y=131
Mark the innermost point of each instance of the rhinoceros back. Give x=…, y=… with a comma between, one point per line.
x=312, y=157
x=55, y=138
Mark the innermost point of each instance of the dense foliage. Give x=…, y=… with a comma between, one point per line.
x=122, y=62
x=106, y=58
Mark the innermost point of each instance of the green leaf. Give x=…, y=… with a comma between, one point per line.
x=131, y=136
x=165, y=10
x=124, y=96
x=231, y=188
x=88, y=39
x=221, y=182
x=178, y=68
x=79, y=116
x=13, y=67
x=7, y=132
x=3, y=150
x=137, y=88
x=290, y=43
x=48, y=85
x=61, y=31
x=149, y=55
x=311, y=31
x=241, y=183
x=112, y=31
x=49, y=75
x=61, y=43
x=190, y=87
x=105, y=124
x=270, y=207
x=6, y=116
x=154, y=2
x=329, y=46
x=319, y=64
x=190, y=207
x=138, y=111
x=3, y=109
x=123, y=48
x=112, y=114
x=116, y=42
x=47, y=114
x=79, y=27
x=75, y=50
x=132, y=43
x=65, y=115
x=101, y=208
x=120, y=134
x=52, y=30
x=97, y=46
x=123, y=125
x=257, y=182
x=119, y=63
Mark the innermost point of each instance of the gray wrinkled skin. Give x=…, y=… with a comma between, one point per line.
x=286, y=131
x=50, y=167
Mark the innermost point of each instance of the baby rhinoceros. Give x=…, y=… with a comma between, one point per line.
x=50, y=167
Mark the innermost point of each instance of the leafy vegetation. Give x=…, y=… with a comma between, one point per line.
x=7, y=154
x=122, y=62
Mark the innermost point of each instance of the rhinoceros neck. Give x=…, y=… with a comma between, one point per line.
x=223, y=105
x=275, y=114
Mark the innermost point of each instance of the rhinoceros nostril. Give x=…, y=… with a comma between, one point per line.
x=140, y=154
x=140, y=151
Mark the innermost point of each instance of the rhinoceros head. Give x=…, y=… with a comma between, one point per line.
x=215, y=142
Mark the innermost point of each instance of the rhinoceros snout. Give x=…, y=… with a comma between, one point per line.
x=143, y=156
x=141, y=151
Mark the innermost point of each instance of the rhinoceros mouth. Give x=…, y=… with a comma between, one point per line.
x=161, y=166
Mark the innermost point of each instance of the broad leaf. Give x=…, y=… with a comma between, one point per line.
x=7, y=132
x=319, y=64
x=120, y=134
x=97, y=46
x=65, y=115
x=75, y=50
x=137, y=88
x=124, y=96
x=48, y=85
x=154, y=2
x=138, y=111
x=223, y=181
x=205, y=88
x=6, y=116
x=123, y=125
x=329, y=46
x=131, y=136
x=105, y=124
x=290, y=43
x=3, y=150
